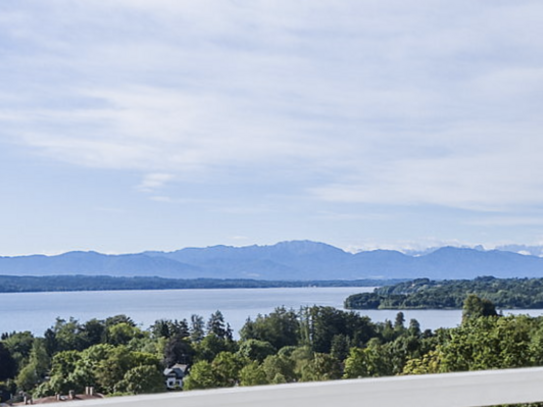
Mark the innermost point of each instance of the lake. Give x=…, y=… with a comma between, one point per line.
x=36, y=312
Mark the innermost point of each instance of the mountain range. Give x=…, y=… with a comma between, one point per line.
x=294, y=260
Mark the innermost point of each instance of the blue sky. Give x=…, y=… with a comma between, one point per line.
x=130, y=125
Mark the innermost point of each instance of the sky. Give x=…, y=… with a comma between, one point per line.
x=132, y=125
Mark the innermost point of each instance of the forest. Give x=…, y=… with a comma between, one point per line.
x=317, y=343
x=506, y=293
x=15, y=284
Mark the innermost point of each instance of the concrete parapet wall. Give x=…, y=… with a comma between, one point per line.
x=467, y=389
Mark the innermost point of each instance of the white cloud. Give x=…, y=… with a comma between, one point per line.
x=497, y=172
x=348, y=216
x=421, y=245
x=508, y=221
x=392, y=102
x=152, y=182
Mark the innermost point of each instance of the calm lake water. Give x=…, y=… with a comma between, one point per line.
x=36, y=312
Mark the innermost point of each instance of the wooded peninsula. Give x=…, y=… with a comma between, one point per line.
x=511, y=293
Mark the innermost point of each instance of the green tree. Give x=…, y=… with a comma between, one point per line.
x=536, y=343
x=62, y=380
x=96, y=353
x=212, y=345
x=340, y=347
x=253, y=349
x=247, y=331
x=165, y=328
x=226, y=367
x=38, y=365
x=253, y=374
x=427, y=364
x=111, y=370
x=322, y=367
x=146, y=359
x=279, y=369
x=475, y=307
x=196, y=330
x=280, y=328
x=399, y=322
x=414, y=328
x=201, y=376
x=301, y=356
x=404, y=347
x=489, y=343
x=92, y=332
x=19, y=345
x=72, y=370
x=325, y=323
x=178, y=349
x=367, y=362
x=122, y=333
x=27, y=378
x=51, y=343
x=386, y=331
x=218, y=327
x=8, y=365
x=143, y=379
x=69, y=335
x=144, y=343
x=119, y=319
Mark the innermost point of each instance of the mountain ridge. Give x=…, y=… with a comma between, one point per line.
x=292, y=260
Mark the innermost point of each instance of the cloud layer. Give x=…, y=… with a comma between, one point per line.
x=387, y=103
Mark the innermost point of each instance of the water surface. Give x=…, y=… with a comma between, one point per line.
x=36, y=312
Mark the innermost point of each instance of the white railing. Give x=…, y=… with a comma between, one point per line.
x=467, y=389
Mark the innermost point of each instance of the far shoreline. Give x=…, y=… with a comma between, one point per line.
x=75, y=283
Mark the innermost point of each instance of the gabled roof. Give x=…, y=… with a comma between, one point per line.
x=177, y=370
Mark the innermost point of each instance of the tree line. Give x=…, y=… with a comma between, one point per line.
x=311, y=344
x=512, y=293
x=16, y=284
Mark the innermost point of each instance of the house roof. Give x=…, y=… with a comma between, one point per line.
x=178, y=370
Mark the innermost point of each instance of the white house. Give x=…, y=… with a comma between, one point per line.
x=175, y=375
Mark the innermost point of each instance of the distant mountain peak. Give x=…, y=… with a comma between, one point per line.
x=305, y=246
x=287, y=260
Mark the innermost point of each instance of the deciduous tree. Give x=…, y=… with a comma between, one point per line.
x=143, y=379
x=201, y=376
